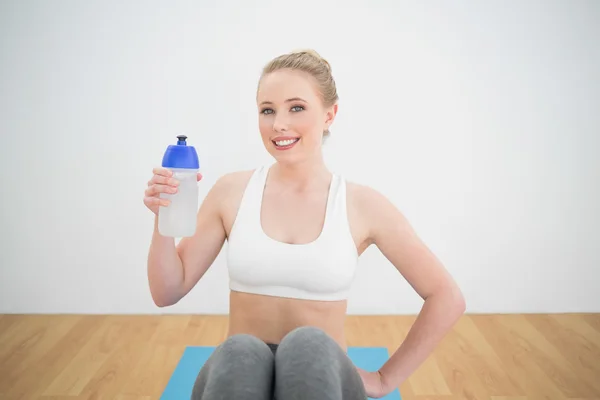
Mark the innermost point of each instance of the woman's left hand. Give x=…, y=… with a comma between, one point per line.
x=373, y=382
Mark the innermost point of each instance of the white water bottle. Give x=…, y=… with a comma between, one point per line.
x=178, y=219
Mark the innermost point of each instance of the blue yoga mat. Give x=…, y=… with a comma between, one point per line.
x=181, y=382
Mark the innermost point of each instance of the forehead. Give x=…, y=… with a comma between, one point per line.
x=284, y=84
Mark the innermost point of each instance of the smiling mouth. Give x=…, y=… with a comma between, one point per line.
x=285, y=143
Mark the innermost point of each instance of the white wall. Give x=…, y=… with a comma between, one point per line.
x=480, y=120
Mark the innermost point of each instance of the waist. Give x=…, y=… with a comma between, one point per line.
x=270, y=318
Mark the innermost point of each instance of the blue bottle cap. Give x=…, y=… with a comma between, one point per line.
x=181, y=155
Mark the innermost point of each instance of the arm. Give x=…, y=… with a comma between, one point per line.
x=444, y=303
x=174, y=270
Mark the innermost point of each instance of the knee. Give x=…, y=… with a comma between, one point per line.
x=245, y=347
x=304, y=338
x=309, y=361
x=307, y=334
x=241, y=363
x=243, y=340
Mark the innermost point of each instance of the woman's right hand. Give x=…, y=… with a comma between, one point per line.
x=162, y=182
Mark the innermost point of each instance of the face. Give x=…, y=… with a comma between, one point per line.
x=292, y=117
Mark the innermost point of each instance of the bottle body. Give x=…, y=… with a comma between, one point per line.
x=178, y=219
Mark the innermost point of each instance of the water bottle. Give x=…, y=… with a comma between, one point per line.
x=178, y=219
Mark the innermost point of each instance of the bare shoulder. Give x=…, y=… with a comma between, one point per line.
x=229, y=190
x=374, y=209
x=363, y=195
x=366, y=209
x=233, y=182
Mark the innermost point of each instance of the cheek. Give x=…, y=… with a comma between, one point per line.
x=265, y=125
x=306, y=123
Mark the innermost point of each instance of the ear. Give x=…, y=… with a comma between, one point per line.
x=330, y=115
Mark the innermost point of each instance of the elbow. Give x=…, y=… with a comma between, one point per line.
x=452, y=300
x=164, y=294
x=163, y=300
x=161, y=303
x=461, y=305
x=457, y=301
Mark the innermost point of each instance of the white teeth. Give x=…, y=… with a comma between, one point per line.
x=285, y=142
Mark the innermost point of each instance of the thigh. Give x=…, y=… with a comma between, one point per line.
x=241, y=367
x=310, y=364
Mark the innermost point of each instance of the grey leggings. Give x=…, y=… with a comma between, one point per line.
x=307, y=364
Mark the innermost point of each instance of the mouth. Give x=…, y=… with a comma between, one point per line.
x=285, y=143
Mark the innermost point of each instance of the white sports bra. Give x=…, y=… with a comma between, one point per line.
x=320, y=270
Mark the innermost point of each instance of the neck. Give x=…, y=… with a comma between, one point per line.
x=302, y=174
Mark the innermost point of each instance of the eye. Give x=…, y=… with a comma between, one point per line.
x=297, y=108
x=266, y=111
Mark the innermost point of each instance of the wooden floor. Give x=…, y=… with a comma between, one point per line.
x=499, y=357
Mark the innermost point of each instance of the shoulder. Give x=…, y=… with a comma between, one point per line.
x=227, y=187
x=377, y=213
x=233, y=181
x=227, y=194
x=366, y=198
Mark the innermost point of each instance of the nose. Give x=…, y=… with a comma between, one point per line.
x=280, y=124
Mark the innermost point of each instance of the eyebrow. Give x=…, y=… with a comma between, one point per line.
x=287, y=101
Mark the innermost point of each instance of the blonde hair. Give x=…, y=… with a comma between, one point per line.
x=311, y=62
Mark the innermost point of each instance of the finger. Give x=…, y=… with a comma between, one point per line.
x=157, y=189
x=156, y=201
x=162, y=171
x=199, y=177
x=163, y=180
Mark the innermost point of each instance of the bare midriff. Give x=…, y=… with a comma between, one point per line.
x=271, y=318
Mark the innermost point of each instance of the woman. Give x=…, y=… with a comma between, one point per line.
x=295, y=231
